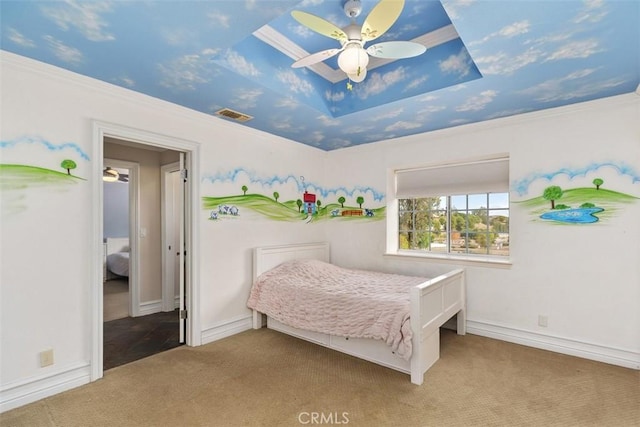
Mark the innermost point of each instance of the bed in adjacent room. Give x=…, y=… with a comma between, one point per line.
x=117, y=257
x=389, y=319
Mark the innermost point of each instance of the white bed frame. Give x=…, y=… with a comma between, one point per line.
x=433, y=303
x=112, y=246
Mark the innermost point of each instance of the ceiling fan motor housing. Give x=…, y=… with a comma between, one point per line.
x=352, y=8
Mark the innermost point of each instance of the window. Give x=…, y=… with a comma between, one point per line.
x=476, y=224
x=457, y=209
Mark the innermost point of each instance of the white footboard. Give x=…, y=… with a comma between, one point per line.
x=432, y=304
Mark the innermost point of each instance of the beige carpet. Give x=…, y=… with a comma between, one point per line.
x=115, y=299
x=264, y=378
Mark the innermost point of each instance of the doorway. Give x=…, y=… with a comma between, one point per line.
x=132, y=225
x=151, y=145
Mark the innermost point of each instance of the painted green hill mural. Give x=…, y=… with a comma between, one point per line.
x=233, y=207
x=19, y=177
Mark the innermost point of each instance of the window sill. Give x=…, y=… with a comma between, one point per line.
x=480, y=261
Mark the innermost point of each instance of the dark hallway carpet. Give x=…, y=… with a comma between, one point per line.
x=133, y=338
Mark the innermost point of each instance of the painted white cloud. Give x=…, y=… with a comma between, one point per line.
x=334, y=96
x=572, y=86
x=593, y=11
x=576, y=49
x=416, y=83
x=504, y=64
x=219, y=19
x=402, y=125
x=479, y=102
x=210, y=51
x=427, y=98
x=316, y=137
x=350, y=130
x=85, y=17
x=453, y=7
x=238, y=63
x=376, y=83
x=18, y=38
x=184, y=72
x=295, y=83
x=301, y=31
x=335, y=143
x=65, y=53
x=177, y=37
x=125, y=81
x=328, y=121
x=512, y=30
x=387, y=115
x=286, y=103
x=459, y=64
x=430, y=109
x=246, y=98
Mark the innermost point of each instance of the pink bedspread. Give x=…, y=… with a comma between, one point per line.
x=321, y=297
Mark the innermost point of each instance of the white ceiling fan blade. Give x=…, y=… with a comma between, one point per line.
x=314, y=58
x=396, y=50
x=381, y=18
x=319, y=25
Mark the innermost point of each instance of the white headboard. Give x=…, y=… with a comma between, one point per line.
x=267, y=257
x=117, y=244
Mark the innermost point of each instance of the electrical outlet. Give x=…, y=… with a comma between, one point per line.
x=543, y=320
x=46, y=358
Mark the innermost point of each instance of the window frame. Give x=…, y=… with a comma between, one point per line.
x=393, y=231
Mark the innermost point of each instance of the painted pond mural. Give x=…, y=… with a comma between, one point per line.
x=590, y=201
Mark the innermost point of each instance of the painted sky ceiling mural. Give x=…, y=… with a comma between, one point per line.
x=485, y=59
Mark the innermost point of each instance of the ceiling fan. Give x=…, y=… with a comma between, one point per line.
x=112, y=175
x=353, y=57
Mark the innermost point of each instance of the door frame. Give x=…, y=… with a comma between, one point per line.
x=134, y=224
x=192, y=190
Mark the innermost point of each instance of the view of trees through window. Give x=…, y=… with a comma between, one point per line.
x=460, y=224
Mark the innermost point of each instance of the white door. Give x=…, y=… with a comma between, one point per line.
x=173, y=259
x=180, y=197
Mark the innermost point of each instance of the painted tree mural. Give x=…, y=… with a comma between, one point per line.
x=68, y=165
x=244, y=190
x=360, y=201
x=598, y=182
x=552, y=193
x=276, y=195
x=299, y=203
x=341, y=200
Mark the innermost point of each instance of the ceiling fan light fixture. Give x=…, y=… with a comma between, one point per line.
x=110, y=175
x=353, y=59
x=358, y=77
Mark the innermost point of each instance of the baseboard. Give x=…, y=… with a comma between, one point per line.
x=226, y=329
x=14, y=395
x=150, y=307
x=613, y=356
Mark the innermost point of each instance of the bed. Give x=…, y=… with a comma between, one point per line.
x=117, y=257
x=428, y=304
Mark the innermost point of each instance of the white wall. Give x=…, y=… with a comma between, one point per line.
x=591, y=298
x=49, y=307
x=585, y=278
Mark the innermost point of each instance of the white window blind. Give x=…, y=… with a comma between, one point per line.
x=482, y=176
